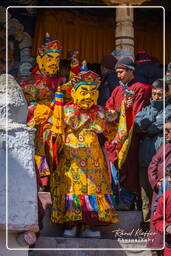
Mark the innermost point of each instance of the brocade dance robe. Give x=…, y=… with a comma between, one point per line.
x=80, y=186
x=40, y=89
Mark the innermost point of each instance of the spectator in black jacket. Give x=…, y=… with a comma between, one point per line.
x=147, y=69
x=109, y=78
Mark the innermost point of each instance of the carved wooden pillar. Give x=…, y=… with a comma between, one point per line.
x=124, y=33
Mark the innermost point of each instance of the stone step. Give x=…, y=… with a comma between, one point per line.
x=58, y=246
x=128, y=226
x=114, y=239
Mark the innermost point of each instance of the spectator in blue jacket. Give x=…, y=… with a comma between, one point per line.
x=149, y=125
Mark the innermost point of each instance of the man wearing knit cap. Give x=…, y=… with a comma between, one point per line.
x=109, y=78
x=125, y=63
x=125, y=72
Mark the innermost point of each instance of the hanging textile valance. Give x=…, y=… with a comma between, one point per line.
x=93, y=36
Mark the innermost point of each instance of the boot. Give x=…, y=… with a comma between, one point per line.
x=89, y=233
x=70, y=232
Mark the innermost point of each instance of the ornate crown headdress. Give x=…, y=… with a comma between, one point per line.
x=49, y=46
x=88, y=77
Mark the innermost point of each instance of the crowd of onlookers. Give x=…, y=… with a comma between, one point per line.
x=149, y=157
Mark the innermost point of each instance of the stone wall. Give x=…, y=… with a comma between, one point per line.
x=17, y=163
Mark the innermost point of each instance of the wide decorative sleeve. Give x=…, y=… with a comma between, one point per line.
x=74, y=118
x=111, y=127
x=93, y=119
x=98, y=122
x=30, y=92
x=119, y=136
x=41, y=114
x=36, y=90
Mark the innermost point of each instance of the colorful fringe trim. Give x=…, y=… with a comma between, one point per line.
x=87, y=202
x=74, y=207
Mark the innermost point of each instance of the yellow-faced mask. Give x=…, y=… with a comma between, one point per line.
x=85, y=95
x=49, y=57
x=49, y=63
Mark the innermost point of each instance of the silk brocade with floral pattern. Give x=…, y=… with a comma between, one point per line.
x=80, y=185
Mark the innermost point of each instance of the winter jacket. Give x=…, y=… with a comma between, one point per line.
x=108, y=84
x=168, y=109
x=149, y=124
x=147, y=72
